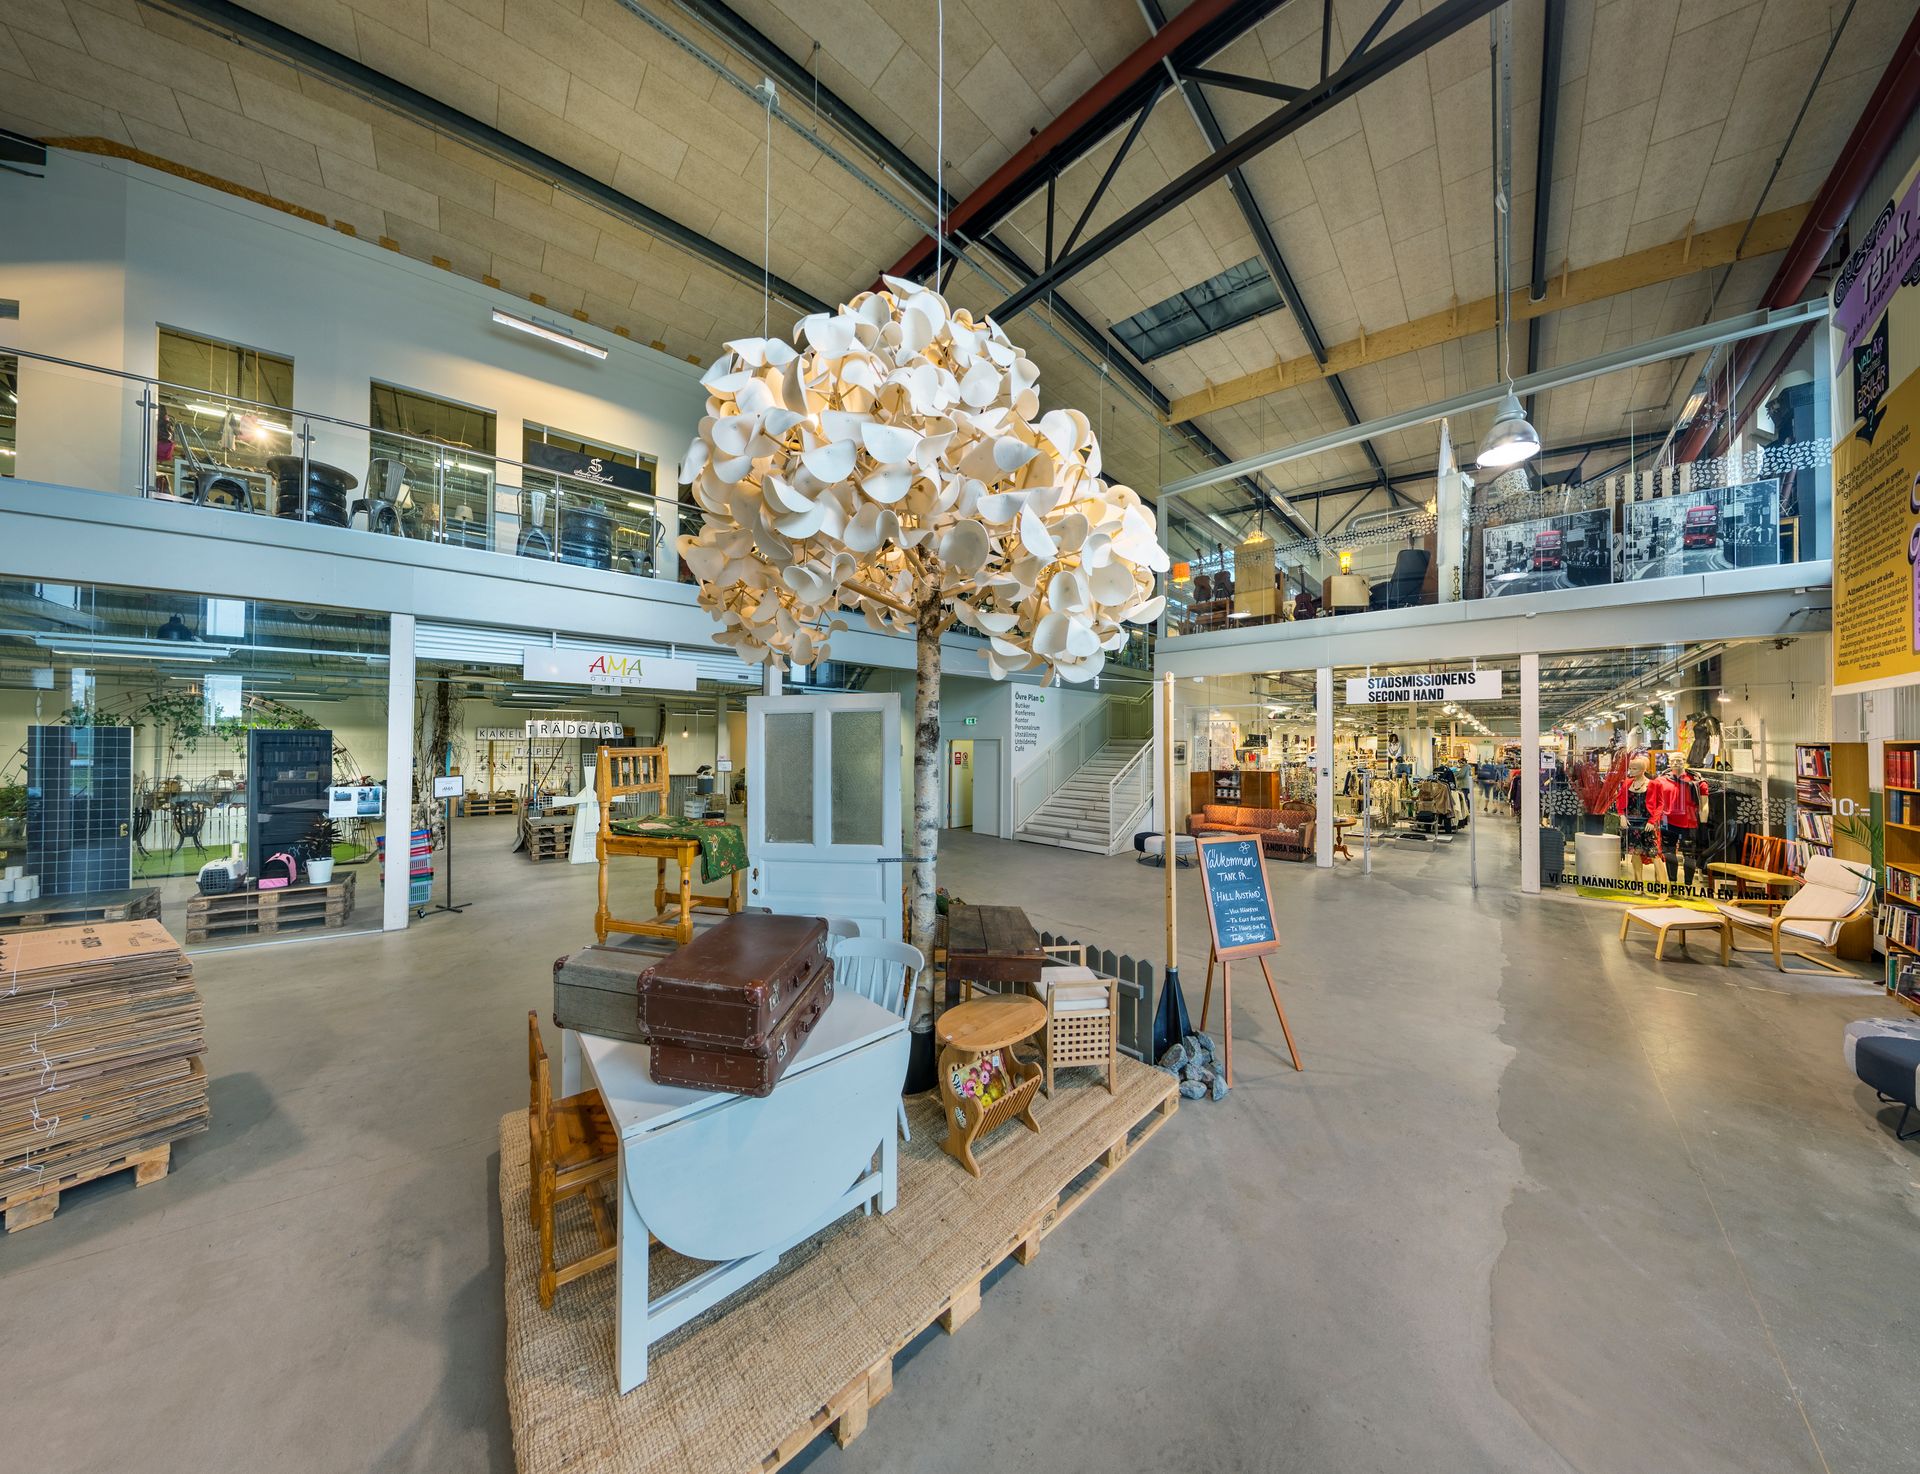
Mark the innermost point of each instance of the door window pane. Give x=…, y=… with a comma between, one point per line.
x=788, y=780
x=859, y=776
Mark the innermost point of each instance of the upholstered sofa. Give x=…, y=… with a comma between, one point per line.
x=1285, y=833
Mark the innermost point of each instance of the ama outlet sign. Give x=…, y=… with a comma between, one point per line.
x=610, y=665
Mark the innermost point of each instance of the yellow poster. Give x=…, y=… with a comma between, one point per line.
x=1876, y=464
x=1876, y=515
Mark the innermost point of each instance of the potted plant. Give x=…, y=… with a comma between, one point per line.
x=320, y=841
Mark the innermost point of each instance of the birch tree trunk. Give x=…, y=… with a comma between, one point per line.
x=925, y=832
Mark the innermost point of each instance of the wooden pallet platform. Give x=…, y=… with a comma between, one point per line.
x=722, y=1394
x=141, y=904
x=292, y=908
x=39, y=1203
x=479, y=805
x=547, y=839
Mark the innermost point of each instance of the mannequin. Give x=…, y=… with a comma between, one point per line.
x=1640, y=834
x=1677, y=801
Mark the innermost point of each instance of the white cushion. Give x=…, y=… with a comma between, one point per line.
x=1669, y=918
x=1074, y=989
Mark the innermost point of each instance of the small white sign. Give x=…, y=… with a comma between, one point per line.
x=545, y=728
x=723, y=765
x=609, y=667
x=449, y=787
x=1424, y=686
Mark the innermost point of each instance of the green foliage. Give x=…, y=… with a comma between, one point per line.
x=182, y=715
x=1655, y=722
x=13, y=800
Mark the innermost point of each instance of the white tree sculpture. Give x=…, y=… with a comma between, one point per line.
x=896, y=463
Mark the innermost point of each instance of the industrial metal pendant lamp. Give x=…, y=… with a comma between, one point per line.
x=1512, y=438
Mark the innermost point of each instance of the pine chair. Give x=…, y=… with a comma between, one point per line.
x=573, y=1152
x=881, y=972
x=1082, y=1019
x=1834, y=894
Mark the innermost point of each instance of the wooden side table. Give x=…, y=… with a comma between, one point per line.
x=983, y=1083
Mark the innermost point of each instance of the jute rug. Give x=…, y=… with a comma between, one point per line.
x=728, y=1388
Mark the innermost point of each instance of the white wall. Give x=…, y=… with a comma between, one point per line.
x=100, y=253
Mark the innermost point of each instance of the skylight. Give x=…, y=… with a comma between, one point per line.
x=1238, y=294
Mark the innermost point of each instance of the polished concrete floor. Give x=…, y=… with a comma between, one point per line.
x=1536, y=1204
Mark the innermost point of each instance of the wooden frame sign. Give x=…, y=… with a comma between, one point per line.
x=1241, y=924
x=1233, y=876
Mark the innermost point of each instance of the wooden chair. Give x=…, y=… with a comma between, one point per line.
x=625, y=772
x=1082, y=1016
x=573, y=1152
x=882, y=972
x=1835, y=893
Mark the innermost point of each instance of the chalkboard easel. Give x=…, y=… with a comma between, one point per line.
x=1240, y=924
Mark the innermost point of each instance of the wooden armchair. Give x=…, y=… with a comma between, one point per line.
x=572, y=1151
x=1834, y=894
x=1082, y=1016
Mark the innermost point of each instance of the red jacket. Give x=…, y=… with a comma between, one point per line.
x=1675, y=801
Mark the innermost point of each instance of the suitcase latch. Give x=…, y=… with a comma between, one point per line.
x=773, y=995
x=781, y=1052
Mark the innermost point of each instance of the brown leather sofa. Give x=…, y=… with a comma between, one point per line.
x=1285, y=833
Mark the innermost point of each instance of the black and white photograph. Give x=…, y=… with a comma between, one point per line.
x=1571, y=551
x=1707, y=531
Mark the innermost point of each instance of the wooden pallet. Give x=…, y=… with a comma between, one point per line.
x=547, y=839
x=39, y=1203
x=477, y=805
x=292, y=908
x=846, y=1411
x=134, y=905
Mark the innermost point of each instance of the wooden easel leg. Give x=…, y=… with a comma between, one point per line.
x=1275, y=994
x=1226, y=1019
x=1207, y=996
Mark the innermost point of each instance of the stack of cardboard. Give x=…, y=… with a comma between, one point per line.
x=101, y=1041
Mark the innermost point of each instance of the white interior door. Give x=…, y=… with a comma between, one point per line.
x=823, y=807
x=986, y=786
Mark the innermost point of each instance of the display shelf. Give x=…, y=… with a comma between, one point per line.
x=1900, y=769
x=1813, y=799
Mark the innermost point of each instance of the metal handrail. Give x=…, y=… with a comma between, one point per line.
x=1128, y=772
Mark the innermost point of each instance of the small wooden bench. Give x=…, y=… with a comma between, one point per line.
x=1663, y=920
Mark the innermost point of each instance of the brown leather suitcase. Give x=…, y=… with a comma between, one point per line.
x=753, y=1071
x=729, y=1010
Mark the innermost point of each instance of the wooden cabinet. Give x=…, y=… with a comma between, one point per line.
x=1251, y=788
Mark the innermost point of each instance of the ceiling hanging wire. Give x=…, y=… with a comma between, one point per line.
x=766, y=224
x=940, y=144
x=1512, y=439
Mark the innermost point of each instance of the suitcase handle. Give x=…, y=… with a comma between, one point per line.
x=818, y=1007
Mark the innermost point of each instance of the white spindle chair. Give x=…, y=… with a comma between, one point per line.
x=881, y=972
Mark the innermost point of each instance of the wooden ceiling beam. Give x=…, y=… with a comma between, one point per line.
x=1663, y=263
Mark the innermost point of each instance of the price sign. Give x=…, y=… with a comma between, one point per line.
x=1233, y=873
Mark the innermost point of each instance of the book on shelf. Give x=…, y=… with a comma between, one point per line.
x=1903, y=885
x=1901, y=925
x=1813, y=762
x=1901, y=767
x=1902, y=808
x=1903, y=976
x=1814, y=826
x=1815, y=791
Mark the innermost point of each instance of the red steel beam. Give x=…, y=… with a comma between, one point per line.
x=1137, y=66
x=1886, y=113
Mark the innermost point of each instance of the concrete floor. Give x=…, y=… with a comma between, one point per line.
x=1536, y=1204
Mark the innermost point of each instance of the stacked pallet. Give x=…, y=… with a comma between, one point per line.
x=100, y=1059
x=289, y=908
x=478, y=805
x=548, y=837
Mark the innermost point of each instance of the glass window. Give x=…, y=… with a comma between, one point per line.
x=133, y=718
x=859, y=771
x=445, y=451
x=225, y=412
x=789, y=777
x=590, y=503
x=9, y=412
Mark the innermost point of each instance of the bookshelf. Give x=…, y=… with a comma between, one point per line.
x=1812, y=800
x=1900, y=915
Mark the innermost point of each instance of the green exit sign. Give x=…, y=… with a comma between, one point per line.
x=970, y=721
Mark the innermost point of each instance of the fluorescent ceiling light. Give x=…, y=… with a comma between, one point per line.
x=551, y=334
x=65, y=644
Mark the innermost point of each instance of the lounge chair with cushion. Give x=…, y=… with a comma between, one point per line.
x=1834, y=893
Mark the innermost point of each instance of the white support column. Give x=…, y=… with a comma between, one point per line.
x=1323, y=768
x=1530, y=774
x=771, y=686
x=394, y=908
x=722, y=737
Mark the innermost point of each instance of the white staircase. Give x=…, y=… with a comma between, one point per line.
x=1081, y=813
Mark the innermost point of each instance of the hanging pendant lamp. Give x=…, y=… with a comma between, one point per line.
x=1512, y=438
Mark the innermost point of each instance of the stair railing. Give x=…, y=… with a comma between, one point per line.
x=1128, y=792
x=1113, y=717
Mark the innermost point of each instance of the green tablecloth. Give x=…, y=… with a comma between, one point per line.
x=723, y=848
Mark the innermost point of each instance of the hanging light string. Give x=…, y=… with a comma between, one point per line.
x=939, y=141
x=766, y=225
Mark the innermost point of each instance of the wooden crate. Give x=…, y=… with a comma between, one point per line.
x=291, y=908
x=142, y=904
